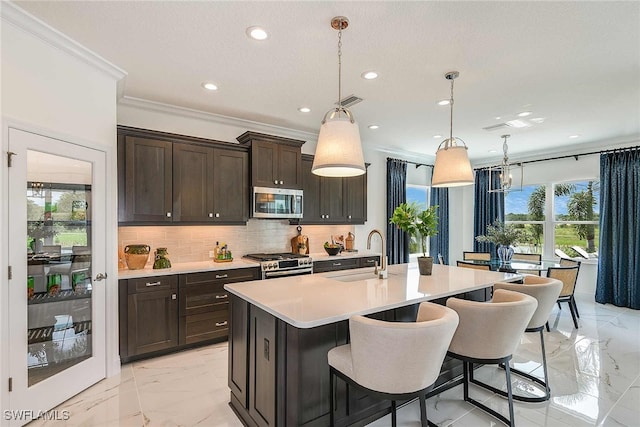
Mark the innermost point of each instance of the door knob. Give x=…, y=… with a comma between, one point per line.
x=100, y=277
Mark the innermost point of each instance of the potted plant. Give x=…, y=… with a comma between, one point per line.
x=38, y=231
x=504, y=236
x=420, y=224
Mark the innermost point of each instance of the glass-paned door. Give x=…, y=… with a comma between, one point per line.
x=57, y=256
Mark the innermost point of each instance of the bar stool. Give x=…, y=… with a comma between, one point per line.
x=394, y=360
x=489, y=333
x=545, y=291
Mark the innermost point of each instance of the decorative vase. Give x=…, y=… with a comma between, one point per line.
x=136, y=256
x=425, y=265
x=161, y=259
x=505, y=253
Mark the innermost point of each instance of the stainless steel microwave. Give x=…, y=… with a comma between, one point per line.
x=276, y=203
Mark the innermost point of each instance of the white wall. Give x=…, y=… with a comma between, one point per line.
x=54, y=86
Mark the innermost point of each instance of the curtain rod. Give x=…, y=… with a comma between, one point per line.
x=575, y=156
x=413, y=163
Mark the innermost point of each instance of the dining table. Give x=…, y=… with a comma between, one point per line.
x=515, y=266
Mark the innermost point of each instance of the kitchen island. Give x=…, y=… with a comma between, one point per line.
x=282, y=329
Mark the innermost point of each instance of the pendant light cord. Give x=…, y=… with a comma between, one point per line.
x=451, y=117
x=340, y=66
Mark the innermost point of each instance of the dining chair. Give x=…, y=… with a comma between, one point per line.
x=568, y=276
x=394, y=360
x=440, y=259
x=546, y=291
x=481, y=256
x=527, y=257
x=489, y=333
x=565, y=262
x=463, y=264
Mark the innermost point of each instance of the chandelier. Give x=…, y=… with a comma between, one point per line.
x=505, y=173
x=452, y=167
x=339, y=150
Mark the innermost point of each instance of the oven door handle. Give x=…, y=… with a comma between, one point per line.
x=289, y=272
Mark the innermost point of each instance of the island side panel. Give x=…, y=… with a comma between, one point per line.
x=262, y=367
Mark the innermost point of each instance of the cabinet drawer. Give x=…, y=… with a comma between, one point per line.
x=205, y=326
x=221, y=276
x=202, y=299
x=149, y=284
x=369, y=261
x=333, y=265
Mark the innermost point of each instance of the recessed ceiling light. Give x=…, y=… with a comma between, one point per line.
x=493, y=151
x=537, y=120
x=369, y=75
x=518, y=124
x=373, y=127
x=498, y=117
x=437, y=136
x=257, y=33
x=304, y=109
x=209, y=86
x=444, y=102
x=524, y=114
x=574, y=136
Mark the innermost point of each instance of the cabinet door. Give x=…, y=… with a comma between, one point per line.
x=264, y=164
x=239, y=349
x=192, y=183
x=335, y=265
x=147, y=180
x=289, y=167
x=152, y=314
x=332, y=200
x=355, y=199
x=231, y=186
x=311, y=189
x=262, y=367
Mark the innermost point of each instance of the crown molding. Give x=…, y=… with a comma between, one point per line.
x=10, y=13
x=249, y=125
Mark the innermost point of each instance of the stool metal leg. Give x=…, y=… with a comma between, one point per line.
x=331, y=399
x=393, y=413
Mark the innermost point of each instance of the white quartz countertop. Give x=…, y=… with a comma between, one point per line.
x=201, y=266
x=323, y=298
x=188, y=267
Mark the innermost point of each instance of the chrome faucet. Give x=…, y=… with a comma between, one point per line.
x=382, y=273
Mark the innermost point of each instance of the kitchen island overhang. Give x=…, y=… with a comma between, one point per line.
x=282, y=329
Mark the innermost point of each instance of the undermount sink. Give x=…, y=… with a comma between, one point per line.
x=356, y=277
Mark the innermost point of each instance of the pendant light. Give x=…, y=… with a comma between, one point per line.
x=505, y=172
x=339, y=150
x=452, y=167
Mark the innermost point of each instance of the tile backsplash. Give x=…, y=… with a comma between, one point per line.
x=193, y=243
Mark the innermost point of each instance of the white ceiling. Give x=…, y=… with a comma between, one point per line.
x=574, y=63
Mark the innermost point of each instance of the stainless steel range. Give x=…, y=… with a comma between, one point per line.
x=283, y=264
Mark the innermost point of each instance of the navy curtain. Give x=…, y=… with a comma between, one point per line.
x=397, y=240
x=439, y=244
x=488, y=208
x=619, y=259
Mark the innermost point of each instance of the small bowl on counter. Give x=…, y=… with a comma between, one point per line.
x=333, y=250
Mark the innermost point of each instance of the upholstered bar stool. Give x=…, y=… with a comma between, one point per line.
x=394, y=360
x=545, y=290
x=489, y=333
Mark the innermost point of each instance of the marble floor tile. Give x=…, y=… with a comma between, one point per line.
x=594, y=373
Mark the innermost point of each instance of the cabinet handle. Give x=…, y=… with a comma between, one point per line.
x=371, y=261
x=210, y=215
x=217, y=215
x=168, y=214
x=281, y=182
x=221, y=276
x=222, y=296
x=348, y=216
x=327, y=216
x=173, y=296
x=337, y=264
x=158, y=283
x=322, y=216
x=221, y=323
x=275, y=182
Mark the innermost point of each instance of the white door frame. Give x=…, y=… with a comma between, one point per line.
x=111, y=301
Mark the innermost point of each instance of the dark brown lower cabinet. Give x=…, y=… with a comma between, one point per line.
x=339, y=263
x=152, y=307
x=162, y=314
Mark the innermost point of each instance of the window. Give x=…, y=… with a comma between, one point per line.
x=569, y=219
x=418, y=194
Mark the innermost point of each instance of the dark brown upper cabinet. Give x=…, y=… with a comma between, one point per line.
x=332, y=200
x=166, y=178
x=275, y=161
